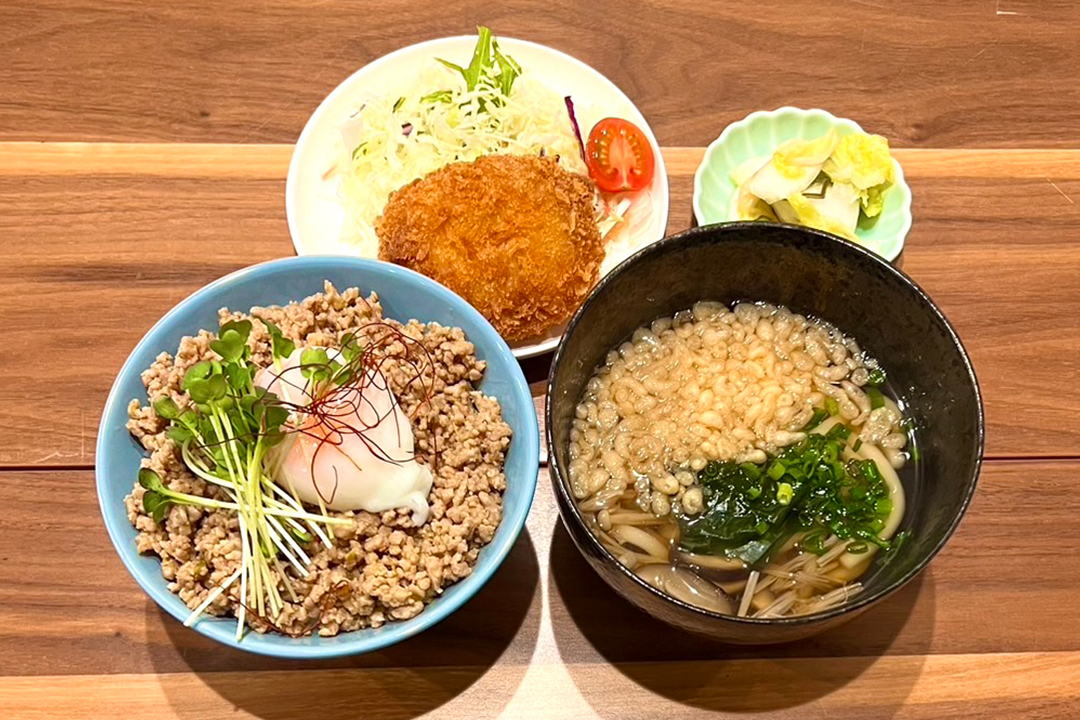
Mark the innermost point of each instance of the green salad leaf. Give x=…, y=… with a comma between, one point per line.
x=509, y=70
x=489, y=67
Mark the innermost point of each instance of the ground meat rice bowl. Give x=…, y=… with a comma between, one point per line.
x=366, y=568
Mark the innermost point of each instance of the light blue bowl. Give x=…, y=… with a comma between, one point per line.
x=404, y=295
x=757, y=135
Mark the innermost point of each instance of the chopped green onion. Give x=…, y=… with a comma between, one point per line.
x=831, y=406
x=877, y=400
x=784, y=493
x=752, y=471
x=877, y=376
x=838, y=432
x=807, y=488
x=819, y=415
x=814, y=541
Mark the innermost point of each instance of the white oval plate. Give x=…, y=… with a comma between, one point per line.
x=317, y=217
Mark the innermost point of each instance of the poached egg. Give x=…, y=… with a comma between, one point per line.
x=357, y=453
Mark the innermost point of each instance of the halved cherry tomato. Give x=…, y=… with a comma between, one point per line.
x=619, y=156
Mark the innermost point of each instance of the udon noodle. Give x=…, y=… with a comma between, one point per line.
x=715, y=393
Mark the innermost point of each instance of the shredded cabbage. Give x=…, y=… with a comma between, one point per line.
x=436, y=120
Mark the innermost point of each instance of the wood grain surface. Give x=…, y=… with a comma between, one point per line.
x=966, y=73
x=143, y=153
x=960, y=641
x=113, y=228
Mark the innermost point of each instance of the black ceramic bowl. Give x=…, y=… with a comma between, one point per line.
x=812, y=273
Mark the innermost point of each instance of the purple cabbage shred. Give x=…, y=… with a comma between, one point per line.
x=577, y=130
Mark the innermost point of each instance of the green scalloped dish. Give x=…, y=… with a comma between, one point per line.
x=758, y=135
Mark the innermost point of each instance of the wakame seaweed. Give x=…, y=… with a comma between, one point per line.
x=808, y=487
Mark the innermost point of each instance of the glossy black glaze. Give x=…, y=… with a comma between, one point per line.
x=815, y=274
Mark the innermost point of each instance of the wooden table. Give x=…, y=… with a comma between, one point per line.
x=143, y=152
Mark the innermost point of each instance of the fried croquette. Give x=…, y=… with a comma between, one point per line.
x=514, y=235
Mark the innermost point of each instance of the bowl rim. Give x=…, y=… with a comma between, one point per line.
x=661, y=199
x=899, y=180
x=860, y=602
x=115, y=518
